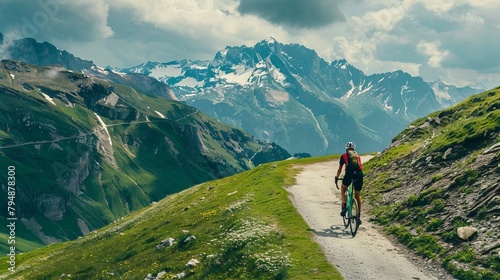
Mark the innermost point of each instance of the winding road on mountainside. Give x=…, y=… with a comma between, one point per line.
x=103, y=126
x=370, y=254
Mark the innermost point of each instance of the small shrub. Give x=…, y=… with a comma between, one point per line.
x=449, y=236
x=401, y=232
x=468, y=178
x=467, y=190
x=184, y=244
x=425, y=197
x=437, y=206
x=401, y=214
x=482, y=213
x=426, y=245
x=459, y=222
x=434, y=224
x=465, y=255
x=436, y=178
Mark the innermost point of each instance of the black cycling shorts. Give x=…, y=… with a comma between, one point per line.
x=355, y=177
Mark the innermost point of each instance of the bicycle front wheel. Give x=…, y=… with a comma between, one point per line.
x=354, y=217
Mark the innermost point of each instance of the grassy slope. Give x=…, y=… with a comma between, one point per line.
x=158, y=151
x=245, y=227
x=426, y=217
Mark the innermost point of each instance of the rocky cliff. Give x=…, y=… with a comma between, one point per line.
x=438, y=180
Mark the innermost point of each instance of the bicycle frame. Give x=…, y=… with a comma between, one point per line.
x=349, y=194
x=350, y=200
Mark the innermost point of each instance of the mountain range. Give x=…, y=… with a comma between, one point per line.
x=287, y=94
x=88, y=150
x=279, y=93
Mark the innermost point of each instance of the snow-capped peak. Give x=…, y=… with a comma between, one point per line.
x=270, y=40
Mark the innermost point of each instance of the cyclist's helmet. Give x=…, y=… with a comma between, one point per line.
x=350, y=145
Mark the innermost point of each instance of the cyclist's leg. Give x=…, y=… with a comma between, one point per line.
x=357, y=196
x=343, y=195
x=345, y=182
x=358, y=186
x=343, y=208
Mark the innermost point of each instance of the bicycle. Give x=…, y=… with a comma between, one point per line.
x=351, y=218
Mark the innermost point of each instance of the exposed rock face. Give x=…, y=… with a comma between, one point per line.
x=440, y=176
x=44, y=54
x=51, y=206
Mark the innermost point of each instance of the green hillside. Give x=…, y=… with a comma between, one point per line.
x=243, y=226
x=440, y=174
x=88, y=151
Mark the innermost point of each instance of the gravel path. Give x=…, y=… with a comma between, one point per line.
x=369, y=255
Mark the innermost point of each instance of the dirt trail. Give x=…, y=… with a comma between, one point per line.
x=369, y=255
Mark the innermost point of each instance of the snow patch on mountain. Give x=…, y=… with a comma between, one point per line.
x=277, y=97
x=241, y=75
x=441, y=94
x=99, y=69
x=105, y=127
x=48, y=98
x=166, y=71
x=387, y=107
x=404, y=89
x=160, y=114
x=349, y=92
x=278, y=76
x=189, y=82
x=318, y=126
x=270, y=40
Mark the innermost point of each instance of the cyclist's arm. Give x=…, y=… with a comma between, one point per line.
x=341, y=164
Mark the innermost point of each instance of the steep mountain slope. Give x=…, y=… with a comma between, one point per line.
x=239, y=227
x=288, y=94
x=45, y=54
x=87, y=151
x=440, y=174
x=449, y=95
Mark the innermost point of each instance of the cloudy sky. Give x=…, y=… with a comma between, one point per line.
x=457, y=41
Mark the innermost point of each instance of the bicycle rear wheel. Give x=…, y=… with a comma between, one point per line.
x=354, y=217
x=346, y=220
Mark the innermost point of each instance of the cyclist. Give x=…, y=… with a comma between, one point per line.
x=353, y=170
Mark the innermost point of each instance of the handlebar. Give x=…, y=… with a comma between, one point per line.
x=337, y=180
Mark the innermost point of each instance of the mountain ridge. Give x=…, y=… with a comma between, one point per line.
x=270, y=79
x=30, y=51
x=378, y=105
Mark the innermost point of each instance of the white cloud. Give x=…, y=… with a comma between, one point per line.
x=76, y=20
x=432, y=50
x=423, y=37
x=431, y=38
x=379, y=21
x=201, y=20
x=440, y=7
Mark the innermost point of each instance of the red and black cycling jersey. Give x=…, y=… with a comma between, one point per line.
x=344, y=160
